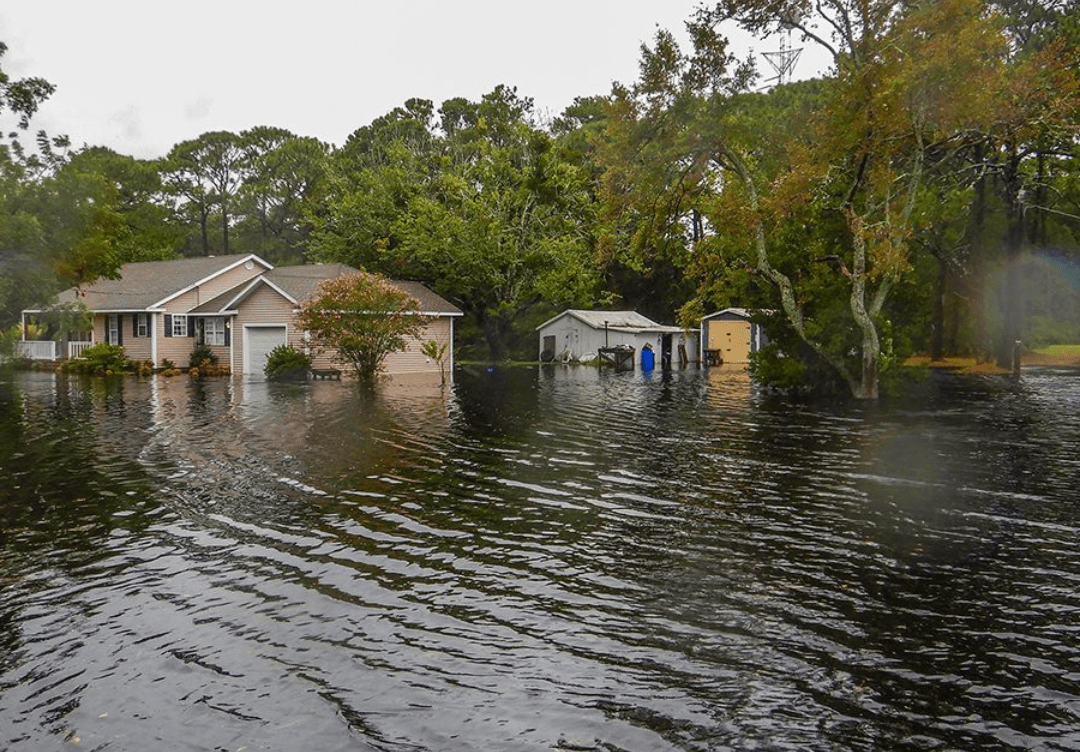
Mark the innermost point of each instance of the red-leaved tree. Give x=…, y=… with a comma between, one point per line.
x=363, y=318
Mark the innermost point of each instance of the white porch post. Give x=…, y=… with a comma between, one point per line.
x=153, y=339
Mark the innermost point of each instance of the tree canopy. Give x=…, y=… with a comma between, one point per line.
x=895, y=204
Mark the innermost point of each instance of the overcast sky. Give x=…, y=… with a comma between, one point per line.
x=140, y=76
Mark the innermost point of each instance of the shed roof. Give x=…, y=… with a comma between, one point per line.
x=729, y=312
x=611, y=319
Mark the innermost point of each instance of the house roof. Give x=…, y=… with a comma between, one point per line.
x=149, y=285
x=613, y=320
x=297, y=283
x=431, y=303
x=144, y=285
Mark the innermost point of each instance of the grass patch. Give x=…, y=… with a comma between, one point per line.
x=1051, y=355
x=1060, y=351
x=962, y=364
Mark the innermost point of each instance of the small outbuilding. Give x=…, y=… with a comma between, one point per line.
x=579, y=336
x=729, y=336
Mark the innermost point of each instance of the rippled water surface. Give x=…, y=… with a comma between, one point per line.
x=534, y=560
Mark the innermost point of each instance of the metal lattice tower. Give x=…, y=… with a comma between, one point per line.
x=783, y=62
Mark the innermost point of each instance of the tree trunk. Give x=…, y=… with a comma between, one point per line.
x=224, y=230
x=495, y=333
x=1013, y=303
x=937, y=345
x=868, y=386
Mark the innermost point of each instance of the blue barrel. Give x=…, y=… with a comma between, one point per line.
x=647, y=359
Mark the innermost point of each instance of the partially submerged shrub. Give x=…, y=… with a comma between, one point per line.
x=101, y=359
x=286, y=363
x=202, y=354
x=204, y=362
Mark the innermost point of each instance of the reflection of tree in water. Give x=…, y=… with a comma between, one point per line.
x=496, y=401
x=70, y=487
x=67, y=466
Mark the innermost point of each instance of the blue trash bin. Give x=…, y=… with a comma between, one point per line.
x=647, y=359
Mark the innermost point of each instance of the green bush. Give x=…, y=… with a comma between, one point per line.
x=201, y=357
x=286, y=363
x=204, y=362
x=101, y=359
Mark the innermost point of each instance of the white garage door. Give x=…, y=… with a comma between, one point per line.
x=258, y=342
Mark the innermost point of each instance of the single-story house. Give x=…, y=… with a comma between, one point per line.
x=729, y=336
x=576, y=335
x=239, y=306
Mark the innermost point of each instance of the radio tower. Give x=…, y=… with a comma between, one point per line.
x=783, y=62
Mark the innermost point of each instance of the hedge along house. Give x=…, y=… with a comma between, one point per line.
x=263, y=313
x=576, y=335
x=239, y=306
x=729, y=336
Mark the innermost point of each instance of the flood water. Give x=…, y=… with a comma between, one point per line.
x=537, y=560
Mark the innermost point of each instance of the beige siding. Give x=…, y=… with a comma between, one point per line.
x=409, y=360
x=176, y=349
x=213, y=288
x=137, y=348
x=264, y=307
x=412, y=358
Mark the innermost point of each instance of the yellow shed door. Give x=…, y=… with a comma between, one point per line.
x=732, y=339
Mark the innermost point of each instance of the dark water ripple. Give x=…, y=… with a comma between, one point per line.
x=553, y=560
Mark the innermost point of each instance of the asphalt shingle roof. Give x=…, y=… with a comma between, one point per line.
x=145, y=283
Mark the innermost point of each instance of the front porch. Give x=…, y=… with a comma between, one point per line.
x=48, y=349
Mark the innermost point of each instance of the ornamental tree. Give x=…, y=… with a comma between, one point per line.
x=363, y=318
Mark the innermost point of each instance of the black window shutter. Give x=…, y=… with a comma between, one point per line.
x=119, y=329
x=191, y=326
x=168, y=325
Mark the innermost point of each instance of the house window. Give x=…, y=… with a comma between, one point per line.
x=142, y=325
x=179, y=325
x=214, y=331
x=112, y=329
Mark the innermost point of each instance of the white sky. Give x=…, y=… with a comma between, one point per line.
x=140, y=76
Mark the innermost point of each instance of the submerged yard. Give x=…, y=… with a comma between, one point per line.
x=537, y=558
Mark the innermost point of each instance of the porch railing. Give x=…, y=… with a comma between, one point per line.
x=36, y=349
x=75, y=349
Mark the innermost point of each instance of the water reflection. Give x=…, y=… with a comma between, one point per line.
x=553, y=558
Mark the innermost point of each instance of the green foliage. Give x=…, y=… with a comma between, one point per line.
x=202, y=356
x=482, y=206
x=204, y=362
x=437, y=351
x=362, y=318
x=8, y=339
x=101, y=359
x=286, y=363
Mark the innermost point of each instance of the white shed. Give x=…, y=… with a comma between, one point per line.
x=576, y=335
